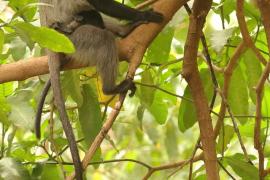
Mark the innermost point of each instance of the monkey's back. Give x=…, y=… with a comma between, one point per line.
x=93, y=43
x=96, y=47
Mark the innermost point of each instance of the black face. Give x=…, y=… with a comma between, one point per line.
x=92, y=17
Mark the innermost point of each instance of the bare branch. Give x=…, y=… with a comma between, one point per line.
x=191, y=74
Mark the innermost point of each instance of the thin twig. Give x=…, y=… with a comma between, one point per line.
x=235, y=126
x=179, y=164
x=163, y=90
x=244, y=31
x=227, y=172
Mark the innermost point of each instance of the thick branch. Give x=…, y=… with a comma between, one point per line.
x=191, y=74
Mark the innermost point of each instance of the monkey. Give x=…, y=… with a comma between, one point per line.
x=94, y=18
x=95, y=46
x=86, y=17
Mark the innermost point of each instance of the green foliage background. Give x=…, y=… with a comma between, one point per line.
x=156, y=126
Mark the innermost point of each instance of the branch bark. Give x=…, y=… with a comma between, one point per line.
x=191, y=74
x=244, y=31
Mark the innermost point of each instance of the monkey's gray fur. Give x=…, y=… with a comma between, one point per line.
x=102, y=52
x=63, y=10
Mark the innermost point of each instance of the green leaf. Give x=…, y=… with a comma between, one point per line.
x=159, y=109
x=159, y=50
x=242, y=168
x=12, y=170
x=2, y=40
x=170, y=137
x=228, y=7
x=51, y=171
x=4, y=110
x=6, y=89
x=266, y=102
x=225, y=141
x=140, y=113
x=24, y=8
x=253, y=72
x=22, y=113
x=22, y=153
x=59, y=142
x=25, y=38
x=208, y=86
x=37, y=171
x=135, y=2
x=89, y=115
x=247, y=130
x=147, y=93
x=238, y=94
x=17, y=49
x=46, y=37
x=187, y=114
x=201, y=177
x=252, y=12
x=71, y=83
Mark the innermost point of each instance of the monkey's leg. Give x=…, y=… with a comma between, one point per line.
x=54, y=66
x=108, y=68
x=120, y=29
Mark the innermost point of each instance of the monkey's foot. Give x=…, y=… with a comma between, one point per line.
x=121, y=88
x=126, y=85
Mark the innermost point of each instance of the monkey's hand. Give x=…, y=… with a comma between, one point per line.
x=121, y=88
x=126, y=85
x=151, y=16
x=132, y=87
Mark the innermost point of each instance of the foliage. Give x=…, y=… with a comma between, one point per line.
x=156, y=126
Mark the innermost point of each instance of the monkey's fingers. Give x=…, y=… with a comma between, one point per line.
x=128, y=84
x=132, y=89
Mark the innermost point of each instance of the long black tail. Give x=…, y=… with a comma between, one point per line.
x=40, y=107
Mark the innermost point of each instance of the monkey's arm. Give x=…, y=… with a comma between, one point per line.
x=119, y=29
x=118, y=10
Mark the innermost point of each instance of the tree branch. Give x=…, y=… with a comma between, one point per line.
x=191, y=74
x=244, y=31
x=264, y=6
